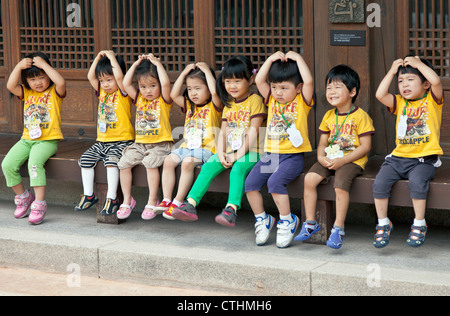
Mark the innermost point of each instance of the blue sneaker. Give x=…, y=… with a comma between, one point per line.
x=307, y=231
x=336, y=238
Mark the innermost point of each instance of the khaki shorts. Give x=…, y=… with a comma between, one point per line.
x=149, y=155
x=343, y=177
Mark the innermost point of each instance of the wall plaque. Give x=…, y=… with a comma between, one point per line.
x=347, y=11
x=347, y=38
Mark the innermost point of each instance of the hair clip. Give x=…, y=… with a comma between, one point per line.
x=255, y=71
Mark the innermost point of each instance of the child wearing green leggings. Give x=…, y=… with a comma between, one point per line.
x=42, y=89
x=238, y=148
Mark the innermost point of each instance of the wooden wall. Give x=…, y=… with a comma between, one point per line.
x=186, y=31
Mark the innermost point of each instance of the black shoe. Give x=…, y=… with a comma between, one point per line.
x=227, y=217
x=111, y=206
x=86, y=202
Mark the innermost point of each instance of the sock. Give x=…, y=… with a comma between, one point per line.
x=420, y=223
x=262, y=215
x=192, y=202
x=25, y=194
x=338, y=228
x=166, y=200
x=113, y=176
x=383, y=221
x=177, y=203
x=286, y=217
x=87, y=176
x=234, y=207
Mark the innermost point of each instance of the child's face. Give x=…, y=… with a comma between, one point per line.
x=108, y=83
x=149, y=88
x=39, y=83
x=338, y=94
x=237, y=88
x=285, y=92
x=197, y=90
x=411, y=86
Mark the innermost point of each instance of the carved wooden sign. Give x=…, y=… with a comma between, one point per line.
x=347, y=11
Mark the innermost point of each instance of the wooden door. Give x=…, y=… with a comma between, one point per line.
x=178, y=31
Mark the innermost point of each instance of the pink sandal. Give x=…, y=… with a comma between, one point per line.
x=147, y=213
x=125, y=210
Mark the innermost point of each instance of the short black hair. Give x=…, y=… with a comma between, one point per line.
x=282, y=71
x=104, y=66
x=34, y=71
x=412, y=70
x=146, y=69
x=348, y=76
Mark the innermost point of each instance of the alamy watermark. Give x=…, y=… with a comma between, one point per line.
x=373, y=15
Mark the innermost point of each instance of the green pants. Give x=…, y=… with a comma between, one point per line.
x=37, y=153
x=213, y=168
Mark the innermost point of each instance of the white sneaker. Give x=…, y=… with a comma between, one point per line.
x=263, y=226
x=286, y=231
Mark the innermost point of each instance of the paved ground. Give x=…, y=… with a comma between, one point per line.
x=205, y=256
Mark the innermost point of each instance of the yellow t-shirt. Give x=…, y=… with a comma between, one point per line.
x=152, y=120
x=424, y=127
x=238, y=118
x=43, y=108
x=115, y=110
x=203, y=124
x=296, y=114
x=357, y=124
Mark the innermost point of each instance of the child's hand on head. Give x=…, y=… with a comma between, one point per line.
x=26, y=63
x=293, y=56
x=278, y=56
x=39, y=62
x=396, y=65
x=414, y=62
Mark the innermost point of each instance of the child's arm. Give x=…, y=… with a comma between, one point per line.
x=91, y=74
x=429, y=74
x=308, y=81
x=383, y=94
x=55, y=76
x=211, y=84
x=362, y=150
x=176, y=95
x=250, y=138
x=13, y=84
x=163, y=78
x=261, y=78
x=117, y=71
x=128, y=86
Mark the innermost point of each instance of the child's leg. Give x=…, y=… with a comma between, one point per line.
x=168, y=175
x=113, y=177
x=153, y=185
x=39, y=154
x=312, y=180
x=239, y=172
x=126, y=180
x=209, y=171
x=419, y=185
x=256, y=179
x=342, y=202
x=186, y=177
x=11, y=164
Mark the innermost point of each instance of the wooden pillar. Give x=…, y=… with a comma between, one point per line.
x=204, y=25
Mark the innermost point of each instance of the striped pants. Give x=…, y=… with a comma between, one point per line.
x=108, y=153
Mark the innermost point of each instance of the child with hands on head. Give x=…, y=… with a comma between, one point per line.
x=238, y=147
x=203, y=109
x=286, y=83
x=418, y=108
x=42, y=89
x=343, y=148
x=153, y=131
x=114, y=130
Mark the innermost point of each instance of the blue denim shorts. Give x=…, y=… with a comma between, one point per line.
x=198, y=153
